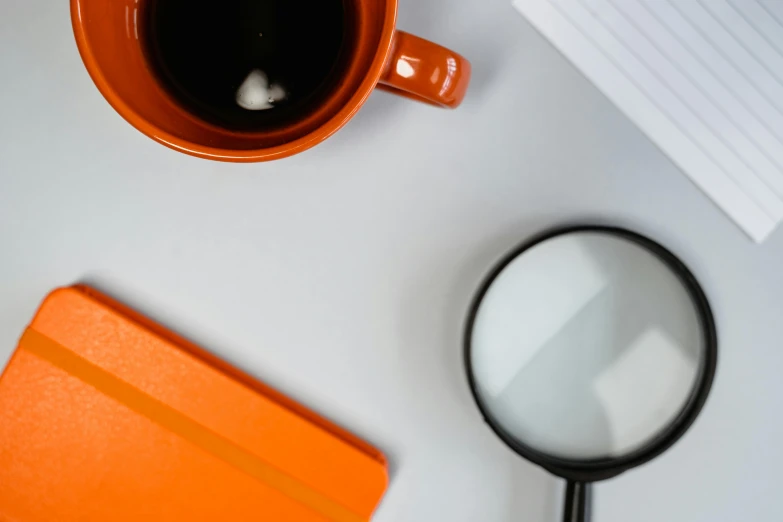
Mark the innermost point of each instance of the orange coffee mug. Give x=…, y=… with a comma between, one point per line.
x=107, y=33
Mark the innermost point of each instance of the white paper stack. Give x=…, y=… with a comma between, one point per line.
x=702, y=78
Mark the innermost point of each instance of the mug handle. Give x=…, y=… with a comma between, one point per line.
x=425, y=71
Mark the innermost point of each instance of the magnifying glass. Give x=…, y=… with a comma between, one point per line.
x=589, y=351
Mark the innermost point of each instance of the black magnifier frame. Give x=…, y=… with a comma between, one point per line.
x=580, y=473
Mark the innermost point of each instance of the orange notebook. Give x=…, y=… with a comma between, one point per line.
x=105, y=416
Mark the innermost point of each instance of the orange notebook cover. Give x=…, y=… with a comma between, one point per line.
x=105, y=416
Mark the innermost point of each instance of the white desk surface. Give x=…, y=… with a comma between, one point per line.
x=342, y=275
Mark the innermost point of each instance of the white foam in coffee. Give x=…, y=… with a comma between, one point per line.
x=256, y=93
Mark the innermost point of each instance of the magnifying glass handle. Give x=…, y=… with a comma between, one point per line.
x=578, y=502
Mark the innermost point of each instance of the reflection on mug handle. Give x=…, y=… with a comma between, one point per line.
x=578, y=500
x=424, y=71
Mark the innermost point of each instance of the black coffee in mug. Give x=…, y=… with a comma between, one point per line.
x=247, y=65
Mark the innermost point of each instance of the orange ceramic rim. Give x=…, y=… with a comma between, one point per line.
x=280, y=151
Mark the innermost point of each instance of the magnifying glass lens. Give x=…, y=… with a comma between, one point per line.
x=586, y=346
